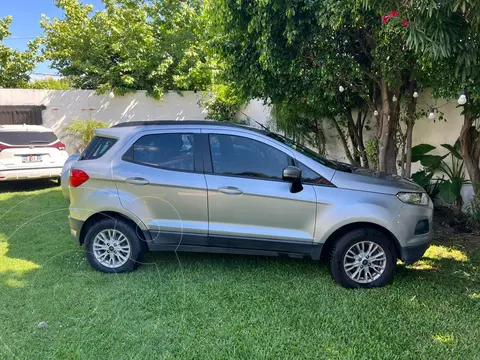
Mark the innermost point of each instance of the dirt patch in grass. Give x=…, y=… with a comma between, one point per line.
x=451, y=229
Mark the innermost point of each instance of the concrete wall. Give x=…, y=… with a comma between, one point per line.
x=64, y=106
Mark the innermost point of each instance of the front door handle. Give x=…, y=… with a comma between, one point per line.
x=230, y=190
x=137, y=181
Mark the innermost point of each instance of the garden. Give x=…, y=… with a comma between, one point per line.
x=353, y=80
x=204, y=306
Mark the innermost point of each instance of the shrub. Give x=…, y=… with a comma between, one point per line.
x=473, y=211
x=371, y=147
x=83, y=130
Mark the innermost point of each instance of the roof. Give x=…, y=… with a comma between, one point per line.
x=125, y=128
x=38, y=128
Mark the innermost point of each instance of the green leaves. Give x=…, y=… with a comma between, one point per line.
x=419, y=151
x=84, y=129
x=450, y=190
x=454, y=150
x=15, y=65
x=130, y=45
x=422, y=178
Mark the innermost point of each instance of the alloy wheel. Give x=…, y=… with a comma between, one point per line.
x=364, y=262
x=111, y=248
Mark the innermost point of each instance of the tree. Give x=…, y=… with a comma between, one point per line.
x=15, y=65
x=301, y=123
x=286, y=51
x=130, y=45
x=222, y=102
x=50, y=84
x=447, y=34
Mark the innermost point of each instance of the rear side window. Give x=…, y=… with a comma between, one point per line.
x=16, y=138
x=97, y=148
x=168, y=151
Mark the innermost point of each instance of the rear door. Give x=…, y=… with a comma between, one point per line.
x=31, y=149
x=160, y=179
x=247, y=198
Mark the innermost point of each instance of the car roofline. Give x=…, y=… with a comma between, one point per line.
x=178, y=123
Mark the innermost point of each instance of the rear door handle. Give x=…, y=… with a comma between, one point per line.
x=137, y=181
x=230, y=190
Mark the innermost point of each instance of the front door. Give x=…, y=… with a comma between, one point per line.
x=247, y=198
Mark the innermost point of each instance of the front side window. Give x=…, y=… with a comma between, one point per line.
x=311, y=177
x=310, y=153
x=241, y=156
x=168, y=151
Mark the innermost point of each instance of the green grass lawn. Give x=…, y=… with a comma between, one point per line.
x=200, y=306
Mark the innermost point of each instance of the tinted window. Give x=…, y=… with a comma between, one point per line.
x=307, y=152
x=236, y=155
x=27, y=137
x=169, y=151
x=97, y=148
x=310, y=176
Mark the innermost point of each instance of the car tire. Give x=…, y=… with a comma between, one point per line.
x=59, y=181
x=363, y=258
x=113, y=239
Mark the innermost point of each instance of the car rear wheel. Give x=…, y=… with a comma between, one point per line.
x=112, y=246
x=363, y=258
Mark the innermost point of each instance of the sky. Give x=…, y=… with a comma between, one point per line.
x=26, y=22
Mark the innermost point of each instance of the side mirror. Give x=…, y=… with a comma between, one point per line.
x=293, y=175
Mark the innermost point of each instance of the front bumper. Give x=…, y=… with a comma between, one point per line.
x=411, y=254
x=33, y=173
x=75, y=228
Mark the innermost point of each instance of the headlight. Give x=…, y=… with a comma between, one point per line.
x=413, y=198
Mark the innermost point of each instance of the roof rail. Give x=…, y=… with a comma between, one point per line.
x=174, y=122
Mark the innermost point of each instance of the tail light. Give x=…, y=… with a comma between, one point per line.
x=77, y=177
x=3, y=147
x=59, y=145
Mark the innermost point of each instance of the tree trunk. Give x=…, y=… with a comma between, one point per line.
x=361, y=145
x=319, y=138
x=408, y=154
x=403, y=155
x=470, y=151
x=343, y=140
x=387, y=149
x=412, y=106
x=355, y=131
x=383, y=131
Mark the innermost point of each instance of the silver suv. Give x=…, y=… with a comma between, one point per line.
x=206, y=186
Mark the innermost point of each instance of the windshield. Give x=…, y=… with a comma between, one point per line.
x=310, y=153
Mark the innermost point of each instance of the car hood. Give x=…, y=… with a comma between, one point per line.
x=374, y=181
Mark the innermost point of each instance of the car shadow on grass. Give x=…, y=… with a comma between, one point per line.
x=26, y=185
x=456, y=267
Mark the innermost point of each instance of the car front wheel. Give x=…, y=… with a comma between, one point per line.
x=112, y=246
x=363, y=258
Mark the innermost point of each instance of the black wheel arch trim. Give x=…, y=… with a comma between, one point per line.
x=144, y=234
x=337, y=234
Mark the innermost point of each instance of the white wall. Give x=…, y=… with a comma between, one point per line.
x=64, y=106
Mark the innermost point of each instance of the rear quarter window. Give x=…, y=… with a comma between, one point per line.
x=97, y=148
